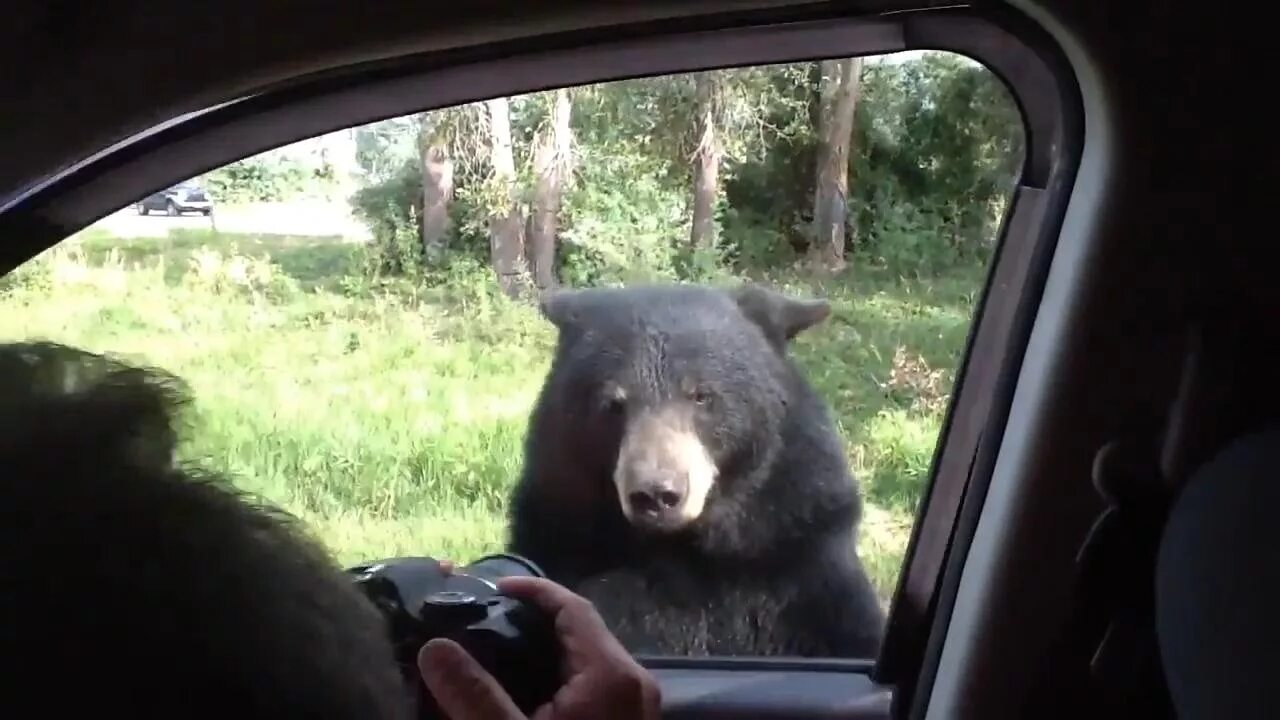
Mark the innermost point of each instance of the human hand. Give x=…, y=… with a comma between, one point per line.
x=601, y=679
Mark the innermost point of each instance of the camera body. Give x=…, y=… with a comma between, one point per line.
x=513, y=640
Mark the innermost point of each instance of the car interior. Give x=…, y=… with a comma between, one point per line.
x=1084, y=545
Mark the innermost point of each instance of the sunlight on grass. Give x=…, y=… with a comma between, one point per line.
x=393, y=422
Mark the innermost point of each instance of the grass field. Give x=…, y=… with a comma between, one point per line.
x=392, y=419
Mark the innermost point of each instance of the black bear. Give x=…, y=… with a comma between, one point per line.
x=682, y=474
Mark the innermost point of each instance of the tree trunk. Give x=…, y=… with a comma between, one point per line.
x=840, y=86
x=506, y=226
x=706, y=163
x=437, y=190
x=551, y=165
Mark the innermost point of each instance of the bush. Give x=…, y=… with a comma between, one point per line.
x=259, y=179
x=391, y=210
x=622, y=223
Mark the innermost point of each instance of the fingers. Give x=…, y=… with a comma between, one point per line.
x=552, y=597
x=605, y=675
x=461, y=687
x=582, y=631
x=576, y=619
x=447, y=566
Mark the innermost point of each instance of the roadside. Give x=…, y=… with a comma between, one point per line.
x=295, y=217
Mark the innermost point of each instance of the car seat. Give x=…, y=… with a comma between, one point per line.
x=1217, y=584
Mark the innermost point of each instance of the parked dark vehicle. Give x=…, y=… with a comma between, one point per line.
x=183, y=197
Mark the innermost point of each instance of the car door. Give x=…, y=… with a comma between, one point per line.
x=970, y=416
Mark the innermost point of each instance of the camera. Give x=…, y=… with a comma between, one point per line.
x=514, y=640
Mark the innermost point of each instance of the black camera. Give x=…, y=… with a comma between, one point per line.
x=514, y=640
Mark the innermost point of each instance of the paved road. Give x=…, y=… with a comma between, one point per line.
x=306, y=217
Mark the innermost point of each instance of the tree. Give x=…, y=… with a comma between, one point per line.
x=839, y=100
x=751, y=155
x=708, y=91
x=437, y=186
x=551, y=167
x=506, y=226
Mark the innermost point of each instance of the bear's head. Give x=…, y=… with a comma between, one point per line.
x=678, y=392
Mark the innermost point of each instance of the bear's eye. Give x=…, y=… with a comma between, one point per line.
x=701, y=397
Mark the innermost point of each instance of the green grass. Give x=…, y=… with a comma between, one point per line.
x=392, y=421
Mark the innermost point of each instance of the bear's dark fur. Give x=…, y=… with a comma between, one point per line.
x=683, y=475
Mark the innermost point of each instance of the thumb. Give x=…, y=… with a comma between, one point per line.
x=461, y=687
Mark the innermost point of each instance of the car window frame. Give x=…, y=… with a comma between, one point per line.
x=1002, y=39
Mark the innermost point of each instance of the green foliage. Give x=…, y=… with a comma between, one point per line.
x=265, y=179
x=392, y=210
x=936, y=148
x=622, y=223
x=382, y=148
x=942, y=148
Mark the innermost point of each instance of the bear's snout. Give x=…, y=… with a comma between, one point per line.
x=657, y=496
x=664, y=472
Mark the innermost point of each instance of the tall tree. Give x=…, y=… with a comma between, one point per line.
x=708, y=98
x=437, y=185
x=841, y=81
x=551, y=166
x=506, y=226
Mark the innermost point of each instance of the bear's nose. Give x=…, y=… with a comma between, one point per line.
x=655, y=497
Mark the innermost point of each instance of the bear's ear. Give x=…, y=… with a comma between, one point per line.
x=781, y=317
x=559, y=307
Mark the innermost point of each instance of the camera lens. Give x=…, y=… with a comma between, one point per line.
x=450, y=597
x=450, y=609
x=496, y=567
